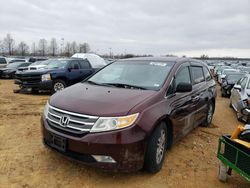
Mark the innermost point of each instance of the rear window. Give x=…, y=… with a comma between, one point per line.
x=197, y=74
x=84, y=64
x=2, y=61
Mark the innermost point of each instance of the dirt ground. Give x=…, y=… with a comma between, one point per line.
x=25, y=162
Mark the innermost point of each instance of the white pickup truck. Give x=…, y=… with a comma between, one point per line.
x=39, y=65
x=3, y=61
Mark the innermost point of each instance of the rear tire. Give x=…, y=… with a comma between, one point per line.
x=156, y=149
x=58, y=85
x=223, y=93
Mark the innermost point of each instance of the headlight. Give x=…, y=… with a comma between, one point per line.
x=46, y=110
x=46, y=77
x=113, y=123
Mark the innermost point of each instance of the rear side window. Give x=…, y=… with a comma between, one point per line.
x=207, y=74
x=74, y=65
x=183, y=76
x=84, y=64
x=198, y=75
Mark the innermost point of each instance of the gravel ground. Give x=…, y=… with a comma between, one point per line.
x=25, y=162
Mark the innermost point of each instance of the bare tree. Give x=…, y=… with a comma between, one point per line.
x=67, y=49
x=53, y=46
x=43, y=46
x=9, y=42
x=1, y=47
x=74, y=47
x=23, y=48
x=33, y=48
x=84, y=48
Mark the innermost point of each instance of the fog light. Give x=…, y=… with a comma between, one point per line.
x=103, y=159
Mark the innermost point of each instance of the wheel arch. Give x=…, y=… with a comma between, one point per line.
x=167, y=120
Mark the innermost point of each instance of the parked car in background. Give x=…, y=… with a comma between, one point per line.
x=57, y=75
x=246, y=70
x=39, y=64
x=95, y=60
x=129, y=113
x=219, y=70
x=224, y=73
x=10, y=69
x=240, y=92
x=35, y=59
x=3, y=62
x=229, y=82
x=17, y=60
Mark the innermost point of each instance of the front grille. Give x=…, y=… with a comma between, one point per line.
x=32, y=68
x=29, y=78
x=77, y=124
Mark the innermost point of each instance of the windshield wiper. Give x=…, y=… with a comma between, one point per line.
x=126, y=86
x=99, y=84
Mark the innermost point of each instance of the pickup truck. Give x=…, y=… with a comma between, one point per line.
x=57, y=75
x=3, y=62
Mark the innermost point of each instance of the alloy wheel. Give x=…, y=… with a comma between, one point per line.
x=58, y=86
x=160, y=147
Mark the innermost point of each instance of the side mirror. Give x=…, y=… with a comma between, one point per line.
x=238, y=87
x=69, y=69
x=245, y=111
x=183, y=87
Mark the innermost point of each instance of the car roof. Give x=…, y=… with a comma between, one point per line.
x=170, y=59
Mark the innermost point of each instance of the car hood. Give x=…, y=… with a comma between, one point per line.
x=6, y=69
x=37, y=72
x=99, y=100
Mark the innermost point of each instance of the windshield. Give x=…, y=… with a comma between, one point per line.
x=57, y=64
x=37, y=63
x=220, y=69
x=14, y=65
x=234, y=77
x=136, y=74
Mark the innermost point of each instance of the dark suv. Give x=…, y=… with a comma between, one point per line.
x=129, y=113
x=57, y=75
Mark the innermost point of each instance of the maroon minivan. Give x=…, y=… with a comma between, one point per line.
x=126, y=116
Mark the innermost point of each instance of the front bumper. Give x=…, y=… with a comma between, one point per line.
x=7, y=74
x=45, y=85
x=126, y=147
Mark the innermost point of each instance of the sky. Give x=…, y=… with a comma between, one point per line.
x=178, y=27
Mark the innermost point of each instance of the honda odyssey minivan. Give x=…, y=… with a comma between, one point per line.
x=127, y=115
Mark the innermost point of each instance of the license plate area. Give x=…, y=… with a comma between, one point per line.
x=58, y=142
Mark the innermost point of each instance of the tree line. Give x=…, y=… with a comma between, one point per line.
x=44, y=47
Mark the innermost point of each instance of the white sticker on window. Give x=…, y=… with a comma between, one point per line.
x=158, y=64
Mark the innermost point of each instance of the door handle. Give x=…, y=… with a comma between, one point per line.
x=196, y=98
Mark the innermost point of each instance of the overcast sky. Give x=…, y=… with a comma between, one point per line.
x=190, y=27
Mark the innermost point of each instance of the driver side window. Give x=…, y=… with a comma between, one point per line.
x=183, y=76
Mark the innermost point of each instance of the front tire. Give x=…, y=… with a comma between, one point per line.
x=210, y=113
x=58, y=85
x=156, y=149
